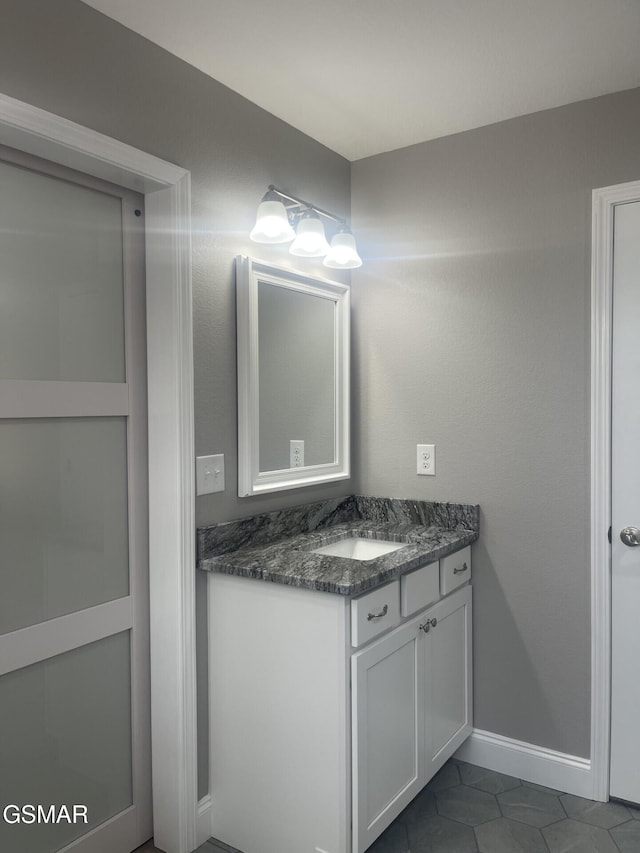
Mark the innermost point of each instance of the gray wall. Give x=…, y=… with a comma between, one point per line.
x=67, y=58
x=471, y=325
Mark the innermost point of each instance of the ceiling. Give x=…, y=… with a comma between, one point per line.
x=366, y=76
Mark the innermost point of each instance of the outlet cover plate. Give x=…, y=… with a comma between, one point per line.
x=426, y=460
x=296, y=453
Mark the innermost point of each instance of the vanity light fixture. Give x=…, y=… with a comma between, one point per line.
x=272, y=222
x=279, y=214
x=343, y=254
x=310, y=241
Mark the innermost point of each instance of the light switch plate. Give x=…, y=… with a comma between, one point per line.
x=209, y=474
x=426, y=459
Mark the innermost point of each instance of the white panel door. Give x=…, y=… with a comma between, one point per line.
x=74, y=621
x=387, y=707
x=625, y=509
x=448, y=679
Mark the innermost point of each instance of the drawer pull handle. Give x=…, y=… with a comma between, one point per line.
x=430, y=623
x=379, y=615
x=464, y=568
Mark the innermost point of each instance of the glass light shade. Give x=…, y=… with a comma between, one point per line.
x=310, y=241
x=272, y=224
x=343, y=254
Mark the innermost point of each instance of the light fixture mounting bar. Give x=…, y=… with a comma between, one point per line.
x=306, y=205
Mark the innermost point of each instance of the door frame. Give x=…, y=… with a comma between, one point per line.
x=166, y=188
x=604, y=201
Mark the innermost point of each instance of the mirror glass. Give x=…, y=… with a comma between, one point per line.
x=293, y=382
x=296, y=391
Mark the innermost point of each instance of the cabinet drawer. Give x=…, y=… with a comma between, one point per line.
x=419, y=589
x=455, y=570
x=374, y=613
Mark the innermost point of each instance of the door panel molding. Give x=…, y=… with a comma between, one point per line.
x=604, y=201
x=55, y=636
x=171, y=452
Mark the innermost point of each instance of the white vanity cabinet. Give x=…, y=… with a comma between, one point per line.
x=411, y=710
x=325, y=723
x=387, y=713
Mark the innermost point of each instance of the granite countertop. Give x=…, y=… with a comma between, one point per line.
x=272, y=548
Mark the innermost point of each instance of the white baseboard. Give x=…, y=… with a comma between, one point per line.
x=567, y=773
x=203, y=822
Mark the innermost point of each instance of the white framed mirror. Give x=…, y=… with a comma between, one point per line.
x=293, y=378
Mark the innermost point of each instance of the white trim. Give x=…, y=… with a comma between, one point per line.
x=172, y=520
x=251, y=481
x=138, y=500
x=603, y=203
x=537, y=764
x=54, y=138
x=171, y=453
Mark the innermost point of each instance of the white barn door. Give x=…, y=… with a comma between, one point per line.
x=74, y=608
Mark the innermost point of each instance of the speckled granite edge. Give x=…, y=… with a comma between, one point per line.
x=293, y=562
x=266, y=528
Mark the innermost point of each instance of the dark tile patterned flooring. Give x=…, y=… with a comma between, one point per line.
x=466, y=809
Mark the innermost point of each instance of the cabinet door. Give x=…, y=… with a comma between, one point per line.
x=387, y=730
x=448, y=679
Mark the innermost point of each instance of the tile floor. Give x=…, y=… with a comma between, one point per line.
x=466, y=809
x=210, y=846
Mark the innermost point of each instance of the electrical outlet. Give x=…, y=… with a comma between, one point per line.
x=296, y=453
x=426, y=459
x=209, y=474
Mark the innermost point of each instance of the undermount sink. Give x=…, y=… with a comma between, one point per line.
x=357, y=548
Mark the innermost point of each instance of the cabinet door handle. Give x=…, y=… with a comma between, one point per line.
x=464, y=568
x=430, y=623
x=379, y=615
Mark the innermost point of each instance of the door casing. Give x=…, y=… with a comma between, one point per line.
x=170, y=398
x=604, y=201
